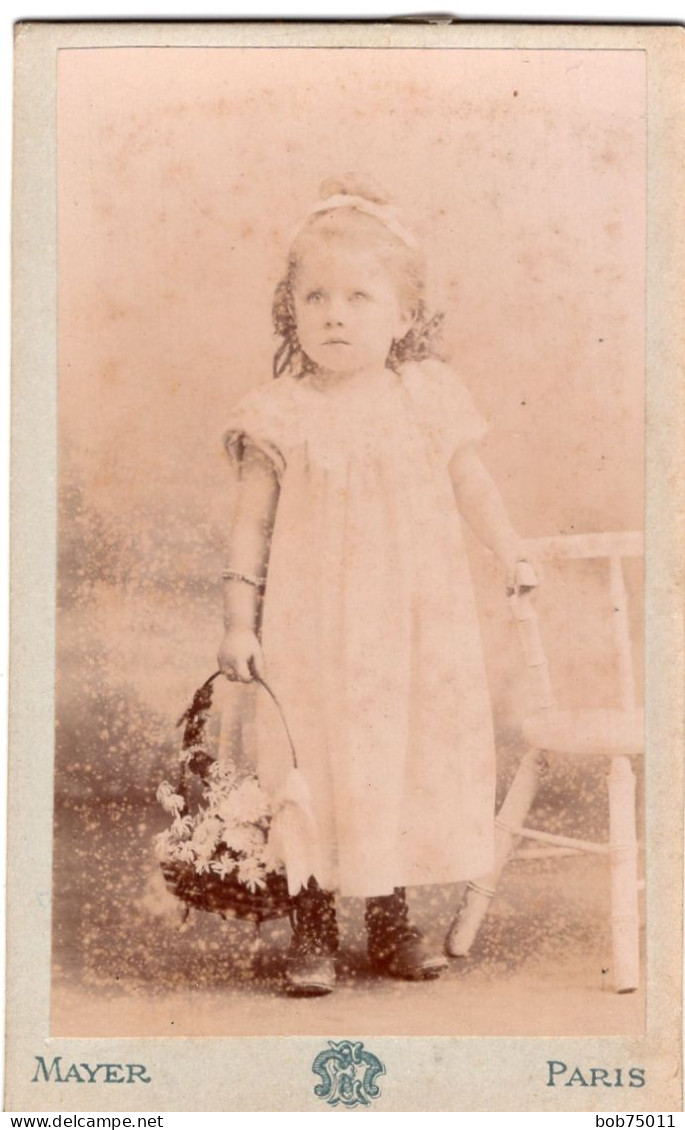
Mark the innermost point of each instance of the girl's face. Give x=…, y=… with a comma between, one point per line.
x=347, y=309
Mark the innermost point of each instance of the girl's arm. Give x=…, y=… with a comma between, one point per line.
x=247, y=557
x=480, y=503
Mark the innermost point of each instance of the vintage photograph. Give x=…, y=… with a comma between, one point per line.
x=351, y=368
x=345, y=743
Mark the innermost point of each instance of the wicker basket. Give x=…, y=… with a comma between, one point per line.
x=225, y=895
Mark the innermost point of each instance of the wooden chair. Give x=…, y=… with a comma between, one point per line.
x=617, y=734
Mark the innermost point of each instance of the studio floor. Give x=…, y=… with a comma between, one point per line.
x=122, y=967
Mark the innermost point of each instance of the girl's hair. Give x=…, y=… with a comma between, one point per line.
x=351, y=225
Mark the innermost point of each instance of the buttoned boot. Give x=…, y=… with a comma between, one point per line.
x=395, y=946
x=310, y=964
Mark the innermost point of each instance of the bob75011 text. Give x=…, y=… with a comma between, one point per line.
x=625, y=1121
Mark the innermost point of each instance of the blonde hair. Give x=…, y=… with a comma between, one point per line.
x=337, y=220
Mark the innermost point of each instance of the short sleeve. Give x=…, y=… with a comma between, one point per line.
x=264, y=418
x=444, y=407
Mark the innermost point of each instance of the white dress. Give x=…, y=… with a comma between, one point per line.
x=370, y=634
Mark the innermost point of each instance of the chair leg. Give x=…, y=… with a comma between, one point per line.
x=479, y=892
x=625, y=926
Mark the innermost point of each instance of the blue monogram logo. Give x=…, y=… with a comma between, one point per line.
x=348, y=1074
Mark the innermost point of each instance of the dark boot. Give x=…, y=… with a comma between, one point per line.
x=395, y=947
x=310, y=968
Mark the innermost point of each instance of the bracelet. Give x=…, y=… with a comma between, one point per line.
x=233, y=575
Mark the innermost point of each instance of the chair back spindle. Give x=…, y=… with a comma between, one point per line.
x=624, y=650
x=523, y=612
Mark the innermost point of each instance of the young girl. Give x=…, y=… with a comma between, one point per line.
x=347, y=581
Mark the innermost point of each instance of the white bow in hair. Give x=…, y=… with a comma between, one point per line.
x=385, y=214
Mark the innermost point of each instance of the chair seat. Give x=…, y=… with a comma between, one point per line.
x=608, y=733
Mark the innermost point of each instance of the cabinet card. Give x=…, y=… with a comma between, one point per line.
x=459, y=250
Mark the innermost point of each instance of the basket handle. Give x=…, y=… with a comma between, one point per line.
x=195, y=717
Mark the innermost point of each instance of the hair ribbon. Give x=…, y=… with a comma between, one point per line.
x=381, y=212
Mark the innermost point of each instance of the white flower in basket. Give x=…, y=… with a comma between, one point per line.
x=228, y=833
x=170, y=801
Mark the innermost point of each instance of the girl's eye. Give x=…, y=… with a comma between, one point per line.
x=360, y=296
x=314, y=296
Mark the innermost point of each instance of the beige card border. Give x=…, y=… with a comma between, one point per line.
x=249, y=1074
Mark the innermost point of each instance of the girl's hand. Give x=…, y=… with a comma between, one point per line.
x=240, y=655
x=522, y=575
